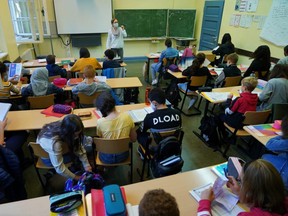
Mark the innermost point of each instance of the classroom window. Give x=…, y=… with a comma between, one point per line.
x=29, y=20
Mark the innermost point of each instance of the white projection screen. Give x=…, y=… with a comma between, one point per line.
x=83, y=16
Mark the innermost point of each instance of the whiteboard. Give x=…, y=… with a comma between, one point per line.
x=83, y=16
x=275, y=28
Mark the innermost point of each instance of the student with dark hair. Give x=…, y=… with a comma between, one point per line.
x=261, y=189
x=230, y=70
x=55, y=135
x=113, y=125
x=109, y=61
x=276, y=89
x=169, y=52
x=225, y=48
x=279, y=145
x=115, y=39
x=54, y=69
x=163, y=118
x=285, y=59
x=6, y=86
x=84, y=60
x=261, y=62
x=158, y=202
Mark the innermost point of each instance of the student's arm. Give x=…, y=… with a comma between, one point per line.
x=163, y=54
x=187, y=71
x=123, y=30
x=277, y=144
x=75, y=89
x=27, y=91
x=109, y=40
x=204, y=208
x=81, y=153
x=75, y=67
x=250, y=69
x=2, y=127
x=266, y=93
x=133, y=135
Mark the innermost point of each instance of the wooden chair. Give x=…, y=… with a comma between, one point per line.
x=157, y=137
x=195, y=81
x=38, y=152
x=114, y=146
x=232, y=81
x=251, y=118
x=279, y=111
x=85, y=101
x=166, y=62
x=51, y=78
x=41, y=102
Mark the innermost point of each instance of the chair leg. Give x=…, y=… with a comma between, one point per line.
x=198, y=112
x=131, y=165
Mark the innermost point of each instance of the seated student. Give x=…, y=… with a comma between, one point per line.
x=158, y=202
x=230, y=70
x=7, y=86
x=187, y=56
x=169, y=52
x=55, y=135
x=276, y=89
x=109, y=62
x=279, y=145
x=196, y=69
x=260, y=63
x=235, y=109
x=261, y=189
x=285, y=59
x=113, y=125
x=84, y=60
x=163, y=118
x=225, y=48
x=54, y=69
x=40, y=85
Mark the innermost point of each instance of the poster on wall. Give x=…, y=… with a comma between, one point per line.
x=252, y=5
x=275, y=28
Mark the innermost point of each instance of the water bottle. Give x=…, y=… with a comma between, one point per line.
x=148, y=89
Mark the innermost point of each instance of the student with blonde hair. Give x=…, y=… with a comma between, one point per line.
x=261, y=189
x=158, y=203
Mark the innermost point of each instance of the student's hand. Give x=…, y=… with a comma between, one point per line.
x=123, y=27
x=88, y=169
x=233, y=185
x=3, y=124
x=207, y=194
x=230, y=96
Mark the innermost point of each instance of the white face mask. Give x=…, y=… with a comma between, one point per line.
x=115, y=25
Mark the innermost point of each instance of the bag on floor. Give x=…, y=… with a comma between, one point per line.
x=172, y=93
x=65, y=202
x=131, y=95
x=167, y=159
x=208, y=127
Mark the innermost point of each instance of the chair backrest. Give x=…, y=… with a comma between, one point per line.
x=38, y=151
x=198, y=81
x=166, y=62
x=232, y=81
x=256, y=117
x=41, y=102
x=279, y=111
x=87, y=101
x=51, y=78
x=112, y=146
x=160, y=135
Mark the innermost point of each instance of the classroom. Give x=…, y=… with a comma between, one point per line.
x=148, y=23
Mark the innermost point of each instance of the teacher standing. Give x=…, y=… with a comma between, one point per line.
x=115, y=40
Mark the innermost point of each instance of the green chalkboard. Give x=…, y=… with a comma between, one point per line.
x=181, y=23
x=143, y=23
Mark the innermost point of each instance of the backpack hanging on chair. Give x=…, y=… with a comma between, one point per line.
x=167, y=159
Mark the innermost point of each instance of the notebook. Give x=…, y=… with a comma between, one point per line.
x=14, y=70
x=4, y=108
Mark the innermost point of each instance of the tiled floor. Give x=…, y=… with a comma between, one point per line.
x=195, y=153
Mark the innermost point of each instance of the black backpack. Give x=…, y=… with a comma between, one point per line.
x=131, y=95
x=167, y=159
x=172, y=93
x=208, y=127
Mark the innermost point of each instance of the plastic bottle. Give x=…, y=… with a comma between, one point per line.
x=148, y=89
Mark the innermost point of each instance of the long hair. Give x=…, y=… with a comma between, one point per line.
x=262, y=52
x=105, y=103
x=84, y=52
x=64, y=130
x=226, y=38
x=197, y=62
x=263, y=187
x=279, y=71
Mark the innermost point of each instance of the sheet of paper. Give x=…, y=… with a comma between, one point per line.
x=206, y=62
x=4, y=108
x=41, y=60
x=138, y=115
x=27, y=64
x=216, y=96
x=15, y=70
x=101, y=78
x=132, y=210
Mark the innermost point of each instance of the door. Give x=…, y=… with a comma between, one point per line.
x=211, y=24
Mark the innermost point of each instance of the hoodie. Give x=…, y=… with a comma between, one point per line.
x=90, y=89
x=246, y=102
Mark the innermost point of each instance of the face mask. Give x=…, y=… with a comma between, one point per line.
x=153, y=107
x=115, y=25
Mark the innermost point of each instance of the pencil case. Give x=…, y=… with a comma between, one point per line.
x=65, y=202
x=62, y=108
x=114, y=202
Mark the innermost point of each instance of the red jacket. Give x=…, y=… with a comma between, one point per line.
x=246, y=102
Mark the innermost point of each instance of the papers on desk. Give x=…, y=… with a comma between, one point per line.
x=218, y=71
x=42, y=60
x=216, y=97
x=155, y=54
x=264, y=130
x=206, y=62
x=101, y=78
x=138, y=115
x=219, y=170
x=225, y=202
x=261, y=84
x=4, y=108
x=132, y=210
x=216, y=48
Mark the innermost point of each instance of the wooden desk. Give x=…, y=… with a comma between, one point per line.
x=34, y=120
x=125, y=82
x=261, y=139
x=35, y=63
x=209, y=55
x=177, y=75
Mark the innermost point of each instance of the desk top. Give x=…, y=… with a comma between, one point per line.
x=34, y=120
x=261, y=139
x=35, y=63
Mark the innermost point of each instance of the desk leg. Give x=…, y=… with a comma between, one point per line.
x=148, y=70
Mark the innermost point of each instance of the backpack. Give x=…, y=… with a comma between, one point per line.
x=208, y=127
x=172, y=93
x=131, y=95
x=167, y=159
